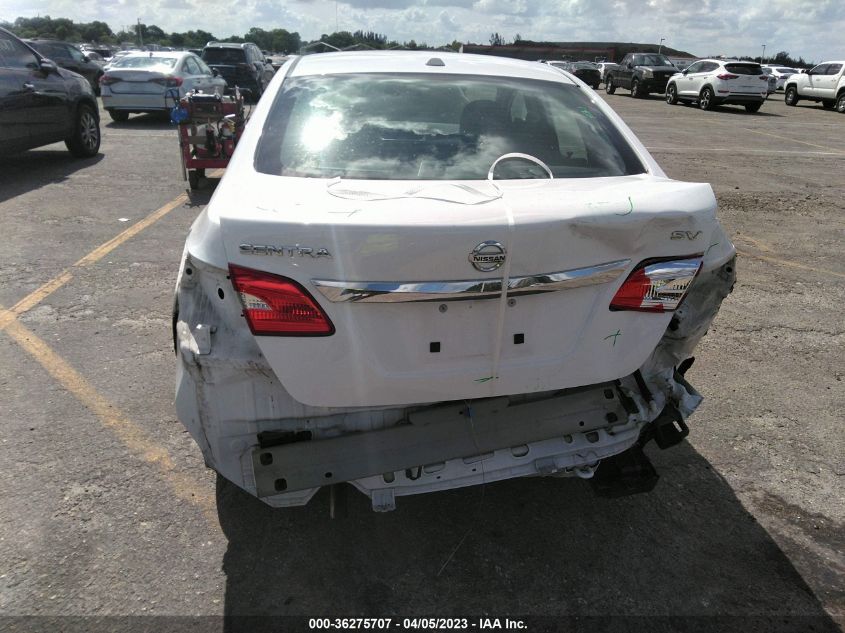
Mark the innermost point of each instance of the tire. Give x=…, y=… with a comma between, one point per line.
x=194, y=179
x=671, y=94
x=95, y=85
x=118, y=115
x=635, y=89
x=827, y=104
x=790, y=97
x=840, y=103
x=609, y=88
x=753, y=107
x=705, y=99
x=84, y=141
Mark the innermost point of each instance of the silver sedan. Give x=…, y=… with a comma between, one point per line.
x=153, y=82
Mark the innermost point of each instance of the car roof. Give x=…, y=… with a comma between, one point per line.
x=418, y=62
x=157, y=54
x=226, y=45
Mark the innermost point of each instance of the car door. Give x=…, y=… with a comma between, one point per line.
x=827, y=82
x=34, y=100
x=814, y=80
x=16, y=93
x=192, y=77
x=622, y=74
x=685, y=84
x=83, y=65
x=702, y=76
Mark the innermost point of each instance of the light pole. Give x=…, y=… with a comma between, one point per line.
x=763, y=56
x=660, y=46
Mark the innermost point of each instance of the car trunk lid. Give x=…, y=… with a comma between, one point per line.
x=396, y=351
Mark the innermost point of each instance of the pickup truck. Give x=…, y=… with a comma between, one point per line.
x=825, y=83
x=641, y=73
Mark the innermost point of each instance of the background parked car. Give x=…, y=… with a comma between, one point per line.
x=713, y=82
x=41, y=103
x=781, y=73
x=70, y=57
x=150, y=82
x=772, y=80
x=641, y=73
x=604, y=67
x=825, y=83
x=241, y=65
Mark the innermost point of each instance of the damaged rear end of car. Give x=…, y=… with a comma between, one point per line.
x=426, y=292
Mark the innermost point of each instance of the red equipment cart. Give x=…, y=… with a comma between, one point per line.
x=209, y=129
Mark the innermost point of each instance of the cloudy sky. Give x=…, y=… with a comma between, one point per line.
x=809, y=28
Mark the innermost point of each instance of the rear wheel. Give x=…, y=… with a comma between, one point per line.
x=118, y=115
x=840, y=103
x=790, y=97
x=671, y=94
x=705, y=99
x=828, y=103
x=609, y=88
x=194, y=176
x=84, y=142
x=752, y=107
x=635, y=89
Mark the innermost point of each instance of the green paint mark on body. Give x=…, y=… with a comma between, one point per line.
x=614, y=336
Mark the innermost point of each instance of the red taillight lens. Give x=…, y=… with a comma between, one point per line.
x=107, y=80
x=169, y=82
x=657, y=285
x=727, y=76
x=278, y=306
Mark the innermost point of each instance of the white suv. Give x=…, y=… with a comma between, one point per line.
x=825, y=83
x=713, y=82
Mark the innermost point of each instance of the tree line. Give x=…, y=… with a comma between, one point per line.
x=276, y=40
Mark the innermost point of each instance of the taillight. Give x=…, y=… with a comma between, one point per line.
x=245, y=66
x=766, y=77
x=657, y=285
x=278, y=306
x=108, y=80
x=169, y=82
x=727, y=76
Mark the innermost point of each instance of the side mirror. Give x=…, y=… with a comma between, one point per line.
x=630, y=65
x=685, y=72
x=48, y=66
x=268, y=61
x=215, y=72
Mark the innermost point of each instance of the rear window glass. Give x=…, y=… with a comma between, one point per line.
x=412, y=127
x=744, y=69
x=651, y=60
x=787, y=70
x=224, y=56
x=147, y=62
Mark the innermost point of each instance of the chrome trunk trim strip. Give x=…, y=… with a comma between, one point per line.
x=472, y=289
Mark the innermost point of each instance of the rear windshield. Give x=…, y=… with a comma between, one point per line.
x=744, y=69
x=787, y=70
x=651, y=60
x=580, y=65
x=223, y=55
x=146, y=62
x=452, y=127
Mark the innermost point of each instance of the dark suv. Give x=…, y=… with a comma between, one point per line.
x=241, y=65
x=641, y=73
x=41, y=103
x=71, y=58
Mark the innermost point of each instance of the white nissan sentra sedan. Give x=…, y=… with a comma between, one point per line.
x=423, y=271
x=150, y=82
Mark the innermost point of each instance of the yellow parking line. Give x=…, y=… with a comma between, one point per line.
x=132, y=436
x=38, y=295
x=792, y=140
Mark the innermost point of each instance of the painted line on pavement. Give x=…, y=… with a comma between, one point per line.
x=129, y=433
x=41, y=293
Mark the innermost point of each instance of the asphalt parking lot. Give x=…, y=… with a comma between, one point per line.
x=106, y=508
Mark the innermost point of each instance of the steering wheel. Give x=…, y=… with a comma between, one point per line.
x=518, y=156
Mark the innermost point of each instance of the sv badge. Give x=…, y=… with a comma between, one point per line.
x=685, y=235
